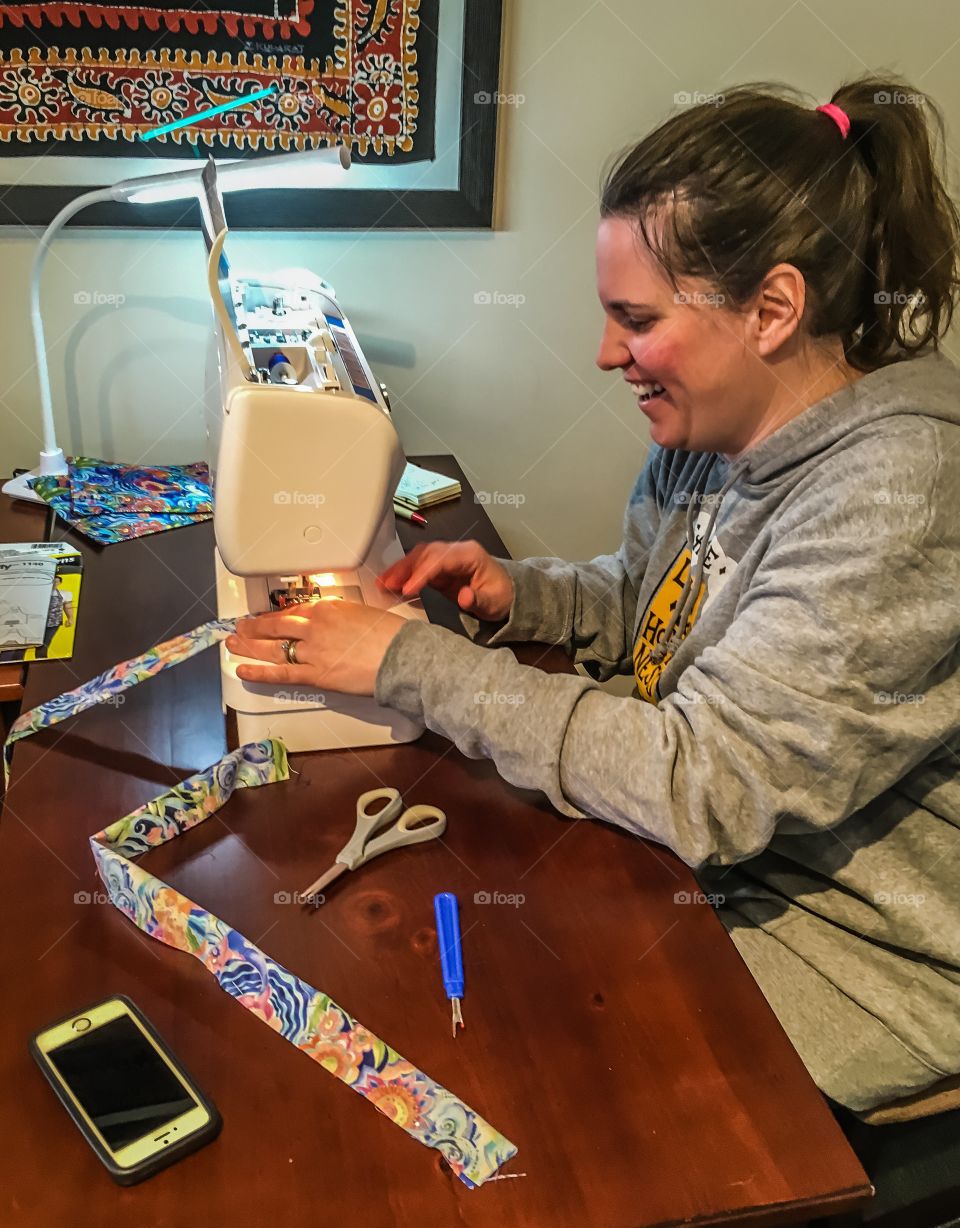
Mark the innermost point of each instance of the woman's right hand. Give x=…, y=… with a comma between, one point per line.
x=462, y=571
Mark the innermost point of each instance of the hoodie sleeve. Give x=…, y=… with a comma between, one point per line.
x=835, y=677
x=587, y=608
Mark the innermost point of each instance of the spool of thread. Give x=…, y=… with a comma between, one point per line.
x=281, y=372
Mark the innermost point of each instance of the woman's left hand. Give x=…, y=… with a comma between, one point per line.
x=339, y=645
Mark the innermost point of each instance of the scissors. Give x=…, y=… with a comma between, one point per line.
x=411, y=827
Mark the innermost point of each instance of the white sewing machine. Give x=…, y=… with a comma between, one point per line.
x=306, y=461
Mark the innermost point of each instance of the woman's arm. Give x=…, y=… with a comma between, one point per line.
x=588, y=608
x=783, y=722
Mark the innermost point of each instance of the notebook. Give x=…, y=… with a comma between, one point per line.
x=421, y=487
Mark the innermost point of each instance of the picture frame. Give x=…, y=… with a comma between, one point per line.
x=467, y=205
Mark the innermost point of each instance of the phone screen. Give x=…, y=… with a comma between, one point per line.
x=121, y=1082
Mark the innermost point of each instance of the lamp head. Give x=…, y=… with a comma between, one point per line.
x=313, y=168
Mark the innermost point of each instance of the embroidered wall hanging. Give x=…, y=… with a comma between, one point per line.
x=96, y=76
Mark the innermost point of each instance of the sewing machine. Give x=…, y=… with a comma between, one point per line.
x=305, y=460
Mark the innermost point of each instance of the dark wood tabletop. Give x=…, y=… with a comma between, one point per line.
x=611, y=1032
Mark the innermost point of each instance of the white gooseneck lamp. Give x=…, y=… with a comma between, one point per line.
x=313, y=168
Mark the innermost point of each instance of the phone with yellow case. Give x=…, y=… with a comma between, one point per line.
x=134, y=1103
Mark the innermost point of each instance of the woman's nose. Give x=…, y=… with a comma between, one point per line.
x=613, y=352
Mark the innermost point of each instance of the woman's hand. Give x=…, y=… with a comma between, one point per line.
x=339, y=645
x=462, y=571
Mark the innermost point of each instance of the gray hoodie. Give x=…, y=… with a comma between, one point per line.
x=795, y=727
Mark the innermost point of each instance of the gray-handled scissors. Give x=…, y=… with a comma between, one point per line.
x=411, y=827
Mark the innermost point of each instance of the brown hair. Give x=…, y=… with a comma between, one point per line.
x=759, y=177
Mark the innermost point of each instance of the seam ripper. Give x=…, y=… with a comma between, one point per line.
x=451, y=957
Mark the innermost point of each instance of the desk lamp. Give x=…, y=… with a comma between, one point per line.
x=311, y=168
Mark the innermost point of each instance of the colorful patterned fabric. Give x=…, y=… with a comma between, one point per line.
x=112, y=682
x=93, y=77
x=101, y=486
x=147, y=500
x=303, y=1015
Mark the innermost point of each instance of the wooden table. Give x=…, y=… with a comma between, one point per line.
x=20, y=521
x=612, y=1034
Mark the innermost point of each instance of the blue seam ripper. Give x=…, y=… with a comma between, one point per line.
x=451, y=956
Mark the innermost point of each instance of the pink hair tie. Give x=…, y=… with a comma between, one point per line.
x=840, y=117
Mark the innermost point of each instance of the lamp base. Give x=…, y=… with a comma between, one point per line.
x=17, y=488
x=53, y=462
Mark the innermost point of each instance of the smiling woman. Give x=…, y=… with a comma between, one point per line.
x=785, y=591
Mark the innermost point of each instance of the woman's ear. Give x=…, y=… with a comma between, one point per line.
x=779, y=307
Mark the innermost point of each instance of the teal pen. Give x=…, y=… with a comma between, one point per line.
x=451, y=957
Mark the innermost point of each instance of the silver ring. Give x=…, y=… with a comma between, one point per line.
x=290, y=651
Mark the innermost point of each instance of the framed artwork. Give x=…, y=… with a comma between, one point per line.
x=409, y=86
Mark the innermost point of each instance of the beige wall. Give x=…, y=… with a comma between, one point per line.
x=511, y=390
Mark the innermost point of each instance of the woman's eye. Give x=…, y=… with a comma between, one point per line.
x=638, y=325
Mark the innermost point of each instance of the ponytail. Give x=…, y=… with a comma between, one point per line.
x=910, y=279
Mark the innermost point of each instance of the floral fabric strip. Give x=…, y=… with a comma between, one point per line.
x=115, y=680
x=303, y=1015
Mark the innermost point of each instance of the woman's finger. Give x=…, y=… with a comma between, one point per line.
x=395, y=575
x=265, y=650
x=428, y=570
x=278, y=624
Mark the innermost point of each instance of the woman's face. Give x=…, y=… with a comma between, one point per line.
x=702, y=353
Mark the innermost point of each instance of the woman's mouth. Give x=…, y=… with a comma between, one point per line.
x=648, y=393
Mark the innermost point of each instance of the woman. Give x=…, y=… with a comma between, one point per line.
x=776, y=279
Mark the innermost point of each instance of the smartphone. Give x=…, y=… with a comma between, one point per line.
x=132, y=1100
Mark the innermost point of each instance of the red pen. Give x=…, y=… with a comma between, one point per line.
x=408, y=514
